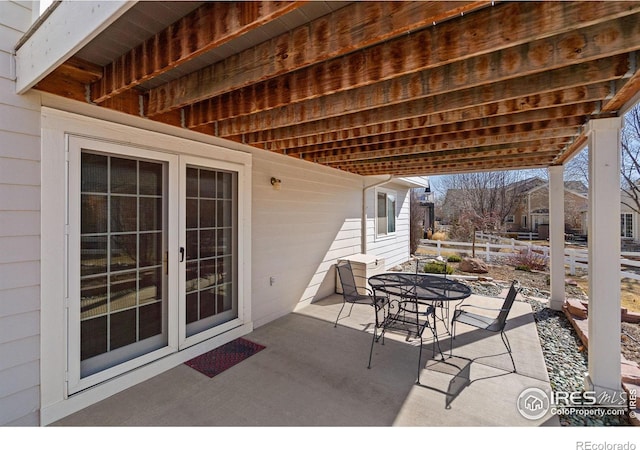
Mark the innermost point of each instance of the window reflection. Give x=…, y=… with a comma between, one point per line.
x=121, y=246
x=210, y=237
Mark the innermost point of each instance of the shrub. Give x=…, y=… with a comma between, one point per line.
x=454, y=258
x=529, y=260
x=436, y=267
x=439, y=236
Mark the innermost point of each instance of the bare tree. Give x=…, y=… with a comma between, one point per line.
x=630, y=159
x=578, y=167
x=482, y=200
x=416, y=222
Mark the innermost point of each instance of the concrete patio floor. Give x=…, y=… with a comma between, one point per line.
x=312, y=374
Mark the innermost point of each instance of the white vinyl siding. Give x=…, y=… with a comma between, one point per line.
x=299, y=232
x=19, y=233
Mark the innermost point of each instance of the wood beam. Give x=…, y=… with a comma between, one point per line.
x=406, y=75
x=441, y=170
x=428, y=144
x=421, y=157
x=431, y=137
x=552, y=88
x=202, y=30
x=359, y=25
x=542, y=159
x=577, y=145
x=488, y=153
x=291, y=145
x=627, y=91
x=70, y=79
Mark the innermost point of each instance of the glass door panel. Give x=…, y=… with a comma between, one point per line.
x=210, y=241
x=123, y=238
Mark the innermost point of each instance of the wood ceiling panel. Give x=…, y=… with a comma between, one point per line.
x=355, y=26
x=202, y=30
x=405, y=77
x=402, y=88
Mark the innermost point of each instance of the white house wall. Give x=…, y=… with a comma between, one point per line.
x=299, y=232
x=19, y=233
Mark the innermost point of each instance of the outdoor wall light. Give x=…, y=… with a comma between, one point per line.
x=275, y=182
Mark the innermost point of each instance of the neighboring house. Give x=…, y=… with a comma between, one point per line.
x=629, y=220
x=533, y=208
x=629, y=223
x=92, y=215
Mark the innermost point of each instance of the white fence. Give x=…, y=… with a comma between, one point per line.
x=574, y=258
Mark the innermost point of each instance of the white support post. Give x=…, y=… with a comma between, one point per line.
x=556, y=236
x=488, y=256
x=604, y=375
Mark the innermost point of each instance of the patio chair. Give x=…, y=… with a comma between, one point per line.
x=404, y=315
x=350, y=292
x=494, y=323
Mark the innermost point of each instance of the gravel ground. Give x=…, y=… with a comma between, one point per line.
x=564, y=355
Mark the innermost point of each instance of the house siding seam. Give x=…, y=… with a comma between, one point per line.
x=19, y=233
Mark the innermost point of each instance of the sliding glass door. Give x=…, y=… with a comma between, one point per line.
x=152, y=256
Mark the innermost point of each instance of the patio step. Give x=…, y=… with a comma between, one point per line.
x=577, y=314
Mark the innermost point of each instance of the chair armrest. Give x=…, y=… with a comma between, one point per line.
x=481, y=307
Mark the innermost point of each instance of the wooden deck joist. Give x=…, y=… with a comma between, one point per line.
x=402, y=88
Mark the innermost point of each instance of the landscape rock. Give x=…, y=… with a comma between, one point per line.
x=576, y=308
x=473, y=265
x=630, y=371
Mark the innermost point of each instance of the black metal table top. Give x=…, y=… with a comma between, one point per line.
x=423, y=286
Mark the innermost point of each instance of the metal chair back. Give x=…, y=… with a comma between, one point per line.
x=501, y=320
x=348, y=281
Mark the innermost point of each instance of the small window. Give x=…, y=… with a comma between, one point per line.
x=626, y=225
x=510, y=219
x=385, y=213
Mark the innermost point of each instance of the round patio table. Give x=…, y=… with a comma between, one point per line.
x=424, y=287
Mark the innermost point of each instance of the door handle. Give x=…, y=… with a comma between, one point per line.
x=181, y=254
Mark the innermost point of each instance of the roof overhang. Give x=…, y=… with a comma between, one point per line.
x=65, y=28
